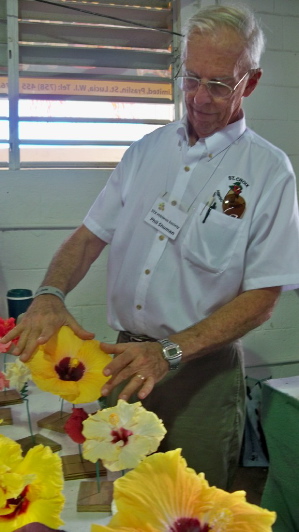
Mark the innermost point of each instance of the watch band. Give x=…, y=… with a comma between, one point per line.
x=171, y=352
x=52, y=290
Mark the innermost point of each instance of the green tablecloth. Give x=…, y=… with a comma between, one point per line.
x=280, y=421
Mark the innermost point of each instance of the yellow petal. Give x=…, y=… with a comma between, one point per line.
x=65, y=344
x=165, y=483
x=170, y=487
x=10, y=452
x=40, y=479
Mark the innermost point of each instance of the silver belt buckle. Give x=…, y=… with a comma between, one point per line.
x=137, y=338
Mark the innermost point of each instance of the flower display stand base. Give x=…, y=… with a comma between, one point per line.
x=54, y=422
x=10, y=397
x=5, y=415
x=74, y=467
x=29, y=442
x=91, y=500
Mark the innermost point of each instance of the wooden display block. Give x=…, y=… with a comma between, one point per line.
x=75, y=467
x=91, y=500
x=5, y=415
x=54, y=421
x=27, y=443
x=10, y=397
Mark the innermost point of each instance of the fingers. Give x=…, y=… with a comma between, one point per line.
x=11, y=335
x=142, y=365
x=142, y=387
x=147, y=384
x=44, y=317
x=78, y=330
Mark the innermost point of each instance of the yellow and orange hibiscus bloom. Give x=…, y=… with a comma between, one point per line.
x=163, y=495
x=122, y=435
x=30, y=487
x=69, y=367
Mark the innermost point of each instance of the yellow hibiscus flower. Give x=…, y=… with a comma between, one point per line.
x=122, y=435
x=69, y=367
x=30, y=487
x=163, y=495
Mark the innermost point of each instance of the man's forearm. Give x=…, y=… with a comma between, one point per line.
x=232, y=321
x=72, y=261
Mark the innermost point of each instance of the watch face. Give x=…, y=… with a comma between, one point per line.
x=172, y=351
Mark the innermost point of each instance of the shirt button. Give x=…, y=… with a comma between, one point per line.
x=210, y=155
x=147, y=272
x=139, y=307
x=187, y=168
x=173, y=202
x=161, y=237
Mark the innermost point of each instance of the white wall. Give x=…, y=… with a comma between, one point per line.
x=38, y=208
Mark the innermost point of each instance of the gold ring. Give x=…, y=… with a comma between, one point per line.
x=140, y=377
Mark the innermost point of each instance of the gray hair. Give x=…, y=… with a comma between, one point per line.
x=240, y=19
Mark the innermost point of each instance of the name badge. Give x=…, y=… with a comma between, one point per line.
x=166, y=218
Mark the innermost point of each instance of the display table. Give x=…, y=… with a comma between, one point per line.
x=41, y=405
x=280, y=421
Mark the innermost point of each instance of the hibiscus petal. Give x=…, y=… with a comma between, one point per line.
x=165, y=483
x=35, y=482
x=66, y=346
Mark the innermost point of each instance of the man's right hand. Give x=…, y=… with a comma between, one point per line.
x=46, y=314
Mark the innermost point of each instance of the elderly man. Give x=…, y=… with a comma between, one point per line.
x=202, y=221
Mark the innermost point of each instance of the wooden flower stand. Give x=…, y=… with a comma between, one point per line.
x=54, y=421
x=5, y=415
x=10, y=397
x=74, y=467
x=91, y=500
x=29, y=442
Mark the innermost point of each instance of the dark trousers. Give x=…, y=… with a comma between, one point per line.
x=202, y=405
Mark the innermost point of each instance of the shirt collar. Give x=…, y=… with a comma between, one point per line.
x=220, y=140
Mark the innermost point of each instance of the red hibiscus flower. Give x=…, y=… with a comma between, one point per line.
x=74, y=425
x=5, y=326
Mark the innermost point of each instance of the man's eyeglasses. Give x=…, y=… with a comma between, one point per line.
x=217, y=89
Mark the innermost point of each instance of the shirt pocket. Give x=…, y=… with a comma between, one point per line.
x=210, y=245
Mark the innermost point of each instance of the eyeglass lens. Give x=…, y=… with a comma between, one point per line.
x=216, y=88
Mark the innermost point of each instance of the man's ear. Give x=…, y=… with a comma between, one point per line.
x=252, y=82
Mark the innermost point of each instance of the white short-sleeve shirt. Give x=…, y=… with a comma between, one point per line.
x=158, y=285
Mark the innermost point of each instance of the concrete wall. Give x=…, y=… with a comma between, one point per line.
x=38, y=209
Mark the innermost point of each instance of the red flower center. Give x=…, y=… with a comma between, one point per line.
x=21, y=504
x=68, y=370
x=188, y=524
x=121, y=435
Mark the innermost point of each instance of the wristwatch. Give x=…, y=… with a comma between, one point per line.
x=171, y=352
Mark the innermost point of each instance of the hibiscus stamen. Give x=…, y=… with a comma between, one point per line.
x=121, y=435
x=20, y=503
x=188, y=524
x=70, y=369
x=113, y=419
x=221, y=520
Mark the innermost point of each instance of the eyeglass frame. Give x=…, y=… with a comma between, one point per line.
x=206, y=83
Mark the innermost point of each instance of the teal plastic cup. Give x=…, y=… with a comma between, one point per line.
x=18, y=301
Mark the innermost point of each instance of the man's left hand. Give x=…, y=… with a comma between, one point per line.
x=140, y=362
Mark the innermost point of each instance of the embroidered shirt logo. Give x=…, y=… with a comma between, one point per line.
x=233, y=204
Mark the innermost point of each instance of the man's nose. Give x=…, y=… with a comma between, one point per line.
x=202, y=94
